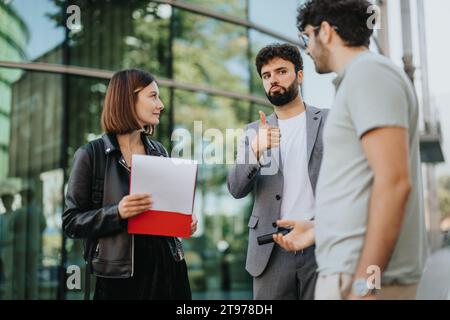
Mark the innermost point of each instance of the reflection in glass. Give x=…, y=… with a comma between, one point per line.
x=113, y=36
x=234, y=8
x=31, y=190
x=216, y=51
x=215, y=273
x=29, y=25
x=276, y=16
x=14, y=34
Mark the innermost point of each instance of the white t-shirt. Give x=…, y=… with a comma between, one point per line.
x=297, y=202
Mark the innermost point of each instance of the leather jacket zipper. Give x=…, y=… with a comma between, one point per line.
x=123, y=164
x=132, y=255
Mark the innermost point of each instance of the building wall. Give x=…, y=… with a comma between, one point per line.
x=206, y=67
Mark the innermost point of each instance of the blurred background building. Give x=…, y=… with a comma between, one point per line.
x=52, y=83
x=405, y=34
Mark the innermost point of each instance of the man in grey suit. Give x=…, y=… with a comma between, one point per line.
x=279, y=157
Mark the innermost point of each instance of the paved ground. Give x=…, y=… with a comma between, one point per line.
x=435, y=282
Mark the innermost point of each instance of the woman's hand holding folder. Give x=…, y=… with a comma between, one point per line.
x=134, y=204
x=194, y=224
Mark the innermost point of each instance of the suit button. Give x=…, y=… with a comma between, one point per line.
x=315, y=118
x=278, y=197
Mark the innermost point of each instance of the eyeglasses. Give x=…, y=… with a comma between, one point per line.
x=304, y=38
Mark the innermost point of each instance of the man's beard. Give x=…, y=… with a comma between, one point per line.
x=282, y=99
x=321, y=59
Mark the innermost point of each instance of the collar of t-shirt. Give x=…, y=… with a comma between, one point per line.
x=341, y=75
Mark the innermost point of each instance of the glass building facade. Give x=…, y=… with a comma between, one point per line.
x=53, y=79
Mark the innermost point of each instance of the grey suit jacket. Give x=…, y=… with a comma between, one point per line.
x=267, y=181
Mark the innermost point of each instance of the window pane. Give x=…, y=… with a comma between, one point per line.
x=210, y=52
x=279, y=17
x=233, y=8
x=31, y=185
x=216, y=255
x=28, y=31
x=114, y=36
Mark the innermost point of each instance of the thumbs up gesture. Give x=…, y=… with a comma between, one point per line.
x=268, y=137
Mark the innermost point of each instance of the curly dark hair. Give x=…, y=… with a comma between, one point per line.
x=284, y=51
x=349, y=16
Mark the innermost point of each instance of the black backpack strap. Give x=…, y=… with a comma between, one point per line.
x=97, y=152
x=98, y=169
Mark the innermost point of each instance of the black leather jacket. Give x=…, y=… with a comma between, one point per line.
x=114, y=247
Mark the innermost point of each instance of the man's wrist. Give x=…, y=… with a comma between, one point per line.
x=361, y=288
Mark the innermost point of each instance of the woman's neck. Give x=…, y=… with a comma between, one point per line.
x=130, y=140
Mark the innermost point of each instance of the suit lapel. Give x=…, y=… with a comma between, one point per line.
x=313, y=118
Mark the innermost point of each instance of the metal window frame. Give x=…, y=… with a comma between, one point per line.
x=226, y=18
x=107, y=74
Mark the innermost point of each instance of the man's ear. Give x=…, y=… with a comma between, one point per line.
x=325, y=32
x=300, y=76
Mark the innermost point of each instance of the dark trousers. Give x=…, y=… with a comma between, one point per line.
x=288, y=276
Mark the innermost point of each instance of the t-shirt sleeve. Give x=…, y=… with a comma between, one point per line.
x=377, y=98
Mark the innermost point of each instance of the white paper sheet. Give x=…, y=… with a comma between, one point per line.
x=170, y=181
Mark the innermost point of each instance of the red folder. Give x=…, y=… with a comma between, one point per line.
x=161, y=223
